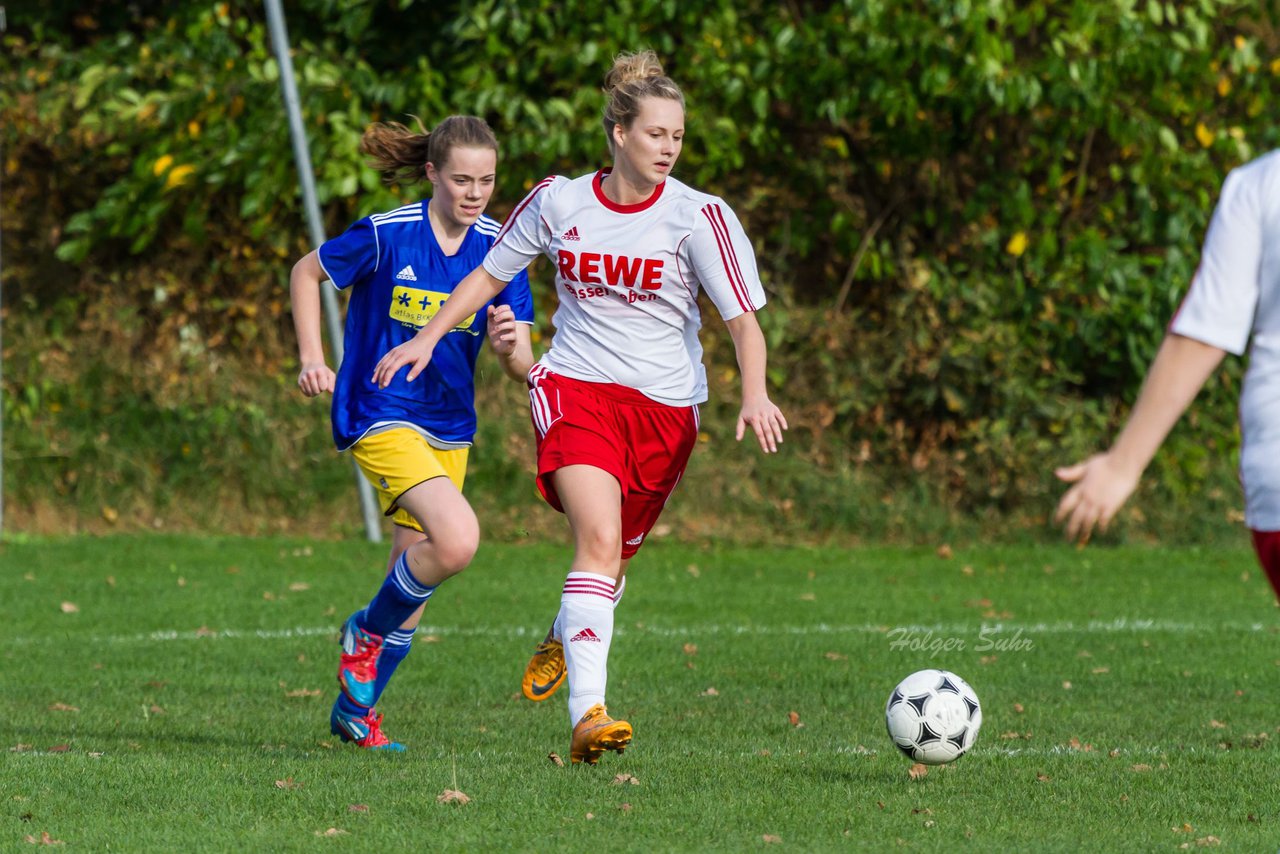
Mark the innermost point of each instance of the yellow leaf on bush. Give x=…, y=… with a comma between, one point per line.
x=1017, y=244
x=1224, y=86
x=178, y=176
x=1204, y=135
x=161, y=165
x=193, y=128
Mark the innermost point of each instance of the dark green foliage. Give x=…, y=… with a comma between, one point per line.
x=974, y=219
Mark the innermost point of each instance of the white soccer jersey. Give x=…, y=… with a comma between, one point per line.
x=628, y=276
x=1234, y=302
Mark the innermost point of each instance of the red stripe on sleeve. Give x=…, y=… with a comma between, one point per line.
x=542, y=185
x=728, y=258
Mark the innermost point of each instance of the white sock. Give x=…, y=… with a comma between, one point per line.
x=617, y=597
x=585, y=627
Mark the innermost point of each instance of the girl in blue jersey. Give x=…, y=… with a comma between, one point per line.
x=410, y=439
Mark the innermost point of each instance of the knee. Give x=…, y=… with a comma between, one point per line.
x=455, y=551
x=600, y=542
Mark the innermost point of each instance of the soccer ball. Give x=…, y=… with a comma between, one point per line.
x=933, y=716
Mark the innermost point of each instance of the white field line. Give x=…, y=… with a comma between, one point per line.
x=1122, y=625
x=1141, y=751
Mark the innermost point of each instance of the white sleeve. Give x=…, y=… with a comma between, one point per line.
x=524, y=236
x=721, y=257
x=1219, y=307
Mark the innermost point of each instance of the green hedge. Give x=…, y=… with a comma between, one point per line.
x=974, y=218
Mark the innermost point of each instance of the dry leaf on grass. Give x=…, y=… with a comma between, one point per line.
x=1217, y=724
x=1018, y=707
x=288, y=783
x=1075, y=744
x=794, y=719
x=358, y=808
x=63, y=707
x=555, y=759
x=625, y=807
x=1043, y=778
x=691, y=649
x=917, y=771
x=303, y=692
x=69, y=607
x=625, y=778
x=770, y=839
x=834, y=656
x=333, y=831
x=299, y=586
x=711, y=692
x=1202, y=842
x=453, y=796
x=59, y=748
x=945, y=552
x=1141, y=766
x=45, y=839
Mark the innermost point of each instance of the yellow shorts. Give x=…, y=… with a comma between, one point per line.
x=397, y=460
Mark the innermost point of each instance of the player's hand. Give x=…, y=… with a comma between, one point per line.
x=1100, y=488
x=766, y=420
x=502, y=329
x=415, y=352
x=314, y=378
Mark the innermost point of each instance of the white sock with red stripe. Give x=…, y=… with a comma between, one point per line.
x=585, y=627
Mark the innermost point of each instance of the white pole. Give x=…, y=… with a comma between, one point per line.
x=302, y=156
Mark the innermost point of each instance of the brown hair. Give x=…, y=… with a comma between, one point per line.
x=632, y=77
x=401, y=155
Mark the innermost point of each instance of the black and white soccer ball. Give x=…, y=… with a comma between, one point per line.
x=933, y=716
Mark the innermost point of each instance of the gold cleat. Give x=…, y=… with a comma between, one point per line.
x=545, y=671
x=596, y=733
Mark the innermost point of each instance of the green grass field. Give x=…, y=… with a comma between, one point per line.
x=169, y=693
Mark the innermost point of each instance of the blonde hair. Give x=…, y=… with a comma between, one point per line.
x=401, y=154
x=634, y=76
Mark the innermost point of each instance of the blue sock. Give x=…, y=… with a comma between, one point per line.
x=395, y=602
x=349, y=709
x=395, y=646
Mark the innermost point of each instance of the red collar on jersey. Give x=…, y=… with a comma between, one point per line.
x=597, y=184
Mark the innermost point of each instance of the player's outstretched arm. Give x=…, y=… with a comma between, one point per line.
x=510, y=340
x=471, y=293
x=314, y=376
x=1102, y=483
x=758, y=411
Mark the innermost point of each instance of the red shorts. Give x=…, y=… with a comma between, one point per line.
x=1267, y=545
x=643, y=443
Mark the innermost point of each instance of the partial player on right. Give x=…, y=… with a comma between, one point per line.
x=1233, y=305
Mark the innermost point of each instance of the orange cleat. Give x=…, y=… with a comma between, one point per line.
x=545, y=671
x=596, y=733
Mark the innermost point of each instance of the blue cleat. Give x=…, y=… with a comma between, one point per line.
x=364, y=731
x=358, y=670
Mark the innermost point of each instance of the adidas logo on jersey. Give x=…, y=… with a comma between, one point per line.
x=406, y=274
x=635, y=541
x=585, y=635
x=571, y=234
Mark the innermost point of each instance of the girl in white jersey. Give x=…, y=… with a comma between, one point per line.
x=614, y=400
x=1233, y=304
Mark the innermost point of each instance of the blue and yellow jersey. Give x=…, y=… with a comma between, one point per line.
x=399, y=277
